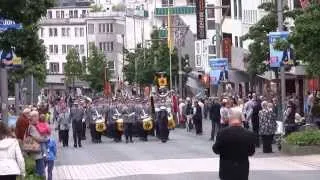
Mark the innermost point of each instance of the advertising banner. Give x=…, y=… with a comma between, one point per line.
x=219, y=70
x=201, y=19
x=276, y=56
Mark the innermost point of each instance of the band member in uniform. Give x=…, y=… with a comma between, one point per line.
x=76, y=116
x=92, y=124
x=162, y=118
x=117, y=131
x=128, y=117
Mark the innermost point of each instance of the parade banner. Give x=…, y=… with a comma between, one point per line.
x=276, y=56
x=219, y=70
x=201, y=19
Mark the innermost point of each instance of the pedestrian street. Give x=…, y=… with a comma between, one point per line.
x=184, y=156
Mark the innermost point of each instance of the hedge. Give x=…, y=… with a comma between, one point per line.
x=304, y=138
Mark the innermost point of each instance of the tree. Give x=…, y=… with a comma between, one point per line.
x=259, y=48
x=96, y=69
x=73, y=69
x=149, y=61
x=306, y=38
x=26, y=43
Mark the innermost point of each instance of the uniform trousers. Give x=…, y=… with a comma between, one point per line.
x=77, y=131
x=128, y=131
x=64, y=137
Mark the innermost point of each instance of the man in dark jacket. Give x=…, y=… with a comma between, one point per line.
x=197, y=118
x=234, y=144
x=76, y=116
x=215, y=117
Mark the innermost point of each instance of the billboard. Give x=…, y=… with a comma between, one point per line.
x=219, y=70
x=276, y=56
x=201, y=19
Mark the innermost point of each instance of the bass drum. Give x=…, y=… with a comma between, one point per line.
x=119, y=125
x=147, y=124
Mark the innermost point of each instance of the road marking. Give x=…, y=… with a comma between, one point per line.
x=168, y=166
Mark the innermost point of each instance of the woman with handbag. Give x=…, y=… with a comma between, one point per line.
x=35, y=150
x=11, y=159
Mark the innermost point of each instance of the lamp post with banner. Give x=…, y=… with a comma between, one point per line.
x=8, y=60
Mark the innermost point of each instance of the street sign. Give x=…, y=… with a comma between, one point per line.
x=6, y=24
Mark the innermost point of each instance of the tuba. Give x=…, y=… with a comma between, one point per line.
x=171, y=123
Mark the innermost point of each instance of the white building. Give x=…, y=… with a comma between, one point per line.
x=63, y=28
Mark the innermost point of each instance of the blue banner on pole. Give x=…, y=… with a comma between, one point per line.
x=6, y=24
x=276, y=56
x=219, y=70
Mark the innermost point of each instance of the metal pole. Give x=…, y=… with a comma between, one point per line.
x=135, y=46
x=17, y=96
x=4, y=94
x=32, y=99
x=169, y=44
x=282, y=73
x=180, y=73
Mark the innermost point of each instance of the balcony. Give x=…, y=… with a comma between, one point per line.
x=183, y=10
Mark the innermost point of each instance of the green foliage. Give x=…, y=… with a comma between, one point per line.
x=96, y=8
x=306, y=38
x=149, y=61
x=96, y=69
x=259, y=48
x=31, y=169
x=304, y=138
x=119, y=7
x=73, y=69
x=25, y=41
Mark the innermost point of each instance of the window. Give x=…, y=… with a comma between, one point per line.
x=63, y=67
x=64, y=49
x=212, y=49
x=69, y=47
x=58, y=14
x=70, y=14
x=50, y=32
x=191, y=2
x=68, y=32
x=54, y=67
x=236, y=41
x=109, y=28
x=49, y=14
x=81, y=49
x=165, y=3
x=241, y=43
x=226, y=3
x=84, y=12
x=63, y=32
x=56, y=49
x=100, y=28
x=102, y=46
x=110, y=64
x=81, y=32
x=41, y=32
x=62, y=14
x=91, y=28
x=109, y=46
x=103, y=27
x=240, y=8
x=76, y=32
x=235, y=9
x=211, y=24
x=77, y=48
x=55, y=32
x=210, y=11
x=75, y=14
x=51, y=49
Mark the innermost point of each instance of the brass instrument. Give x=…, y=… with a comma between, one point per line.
x=171, y=123
x=119, y=125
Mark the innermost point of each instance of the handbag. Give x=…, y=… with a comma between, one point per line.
x=30, y=145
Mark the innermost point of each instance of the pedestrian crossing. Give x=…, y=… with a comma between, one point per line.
x=109, y=170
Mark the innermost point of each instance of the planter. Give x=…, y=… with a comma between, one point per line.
x=299, y=150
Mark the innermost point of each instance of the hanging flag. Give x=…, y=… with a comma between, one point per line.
x=201, y=19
